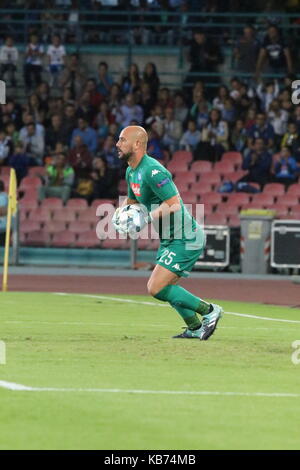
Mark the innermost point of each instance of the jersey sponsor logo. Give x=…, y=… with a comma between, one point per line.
x=136, y=188
x=154, y=172
x=163, y=182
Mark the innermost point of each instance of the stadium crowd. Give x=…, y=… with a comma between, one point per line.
x=71, y=120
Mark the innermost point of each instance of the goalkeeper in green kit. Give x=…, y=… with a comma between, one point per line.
x=182, y=240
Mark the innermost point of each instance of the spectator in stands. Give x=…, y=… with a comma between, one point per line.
x=214, y=138
x=261, y=129
x=43, y=92
x=238, y=136
x=56, y=55
x=35, y=108
x=105, y=80
x=95, y=96
x=296, y=117
x=73, y=76
x=129, y=111
x=150, y=76
x=34, y=143
x=5, y=147
x=172, y=131
x=229, y=112
x=132, y=81
x=114, y=97
x=88, y=135
x=274, y=53
x=180, y=108
x=267, y=93
x=9, y=57
x=258, y=163
x=155, y=148
x=84, y=109
x=104, y=181
x=69, y=120
x=3, y=212
x=59, y=180
x=155, y=120
x=20, y=161
x=286, y=168
x=278, y=119
x=12, y=133
x=28, y=118
x=191, y=137
x=292, y=139
x=80, y=158
x=165, y=98
x=102, y=120
x=246, y=51
x=204, y=56
x=13, y=112
x=199, y=109
x=34, y=53
x=56, y=132
x=145, y=99
x=110, y=155
x=222, y=96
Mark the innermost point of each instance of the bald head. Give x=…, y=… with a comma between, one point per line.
x=132, y=142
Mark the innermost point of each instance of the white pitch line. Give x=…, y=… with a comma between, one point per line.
x=140, y=302
x=24, y=388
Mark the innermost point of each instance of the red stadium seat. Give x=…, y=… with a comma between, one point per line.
x=289, y=200
x=55, y=226
x=37, y=171
x=143, y=244
x=98, y=202
x=295, y=213
x=210, y=177
x=88, y=239
x=276, y=189
x=5, y=179
x=215, y=219
x=263, y=199
x=201, y=188
x=63, y=239
x=89, y=216
x=182, y=156
x=235, y=157
x=78, y=204
x=227, y=208
x=182, y=186
x=4, y=171
x=224, y=167
x=234, y=221
x=79, y=226
x=238, y=198
x=188, y=197
x=185, y=177
x=52, y=203
x=281, y=209
x=64, y=215
x=211, y=198
x=234, y=176
x=294, y=189
x=30, y=194
x=27, y=226
x=30, y=182
x=41, y=214
x=37, y=238
x=201, y=166
x=28, y=204
x=177, y=167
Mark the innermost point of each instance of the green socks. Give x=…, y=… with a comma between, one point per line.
x=185, y=303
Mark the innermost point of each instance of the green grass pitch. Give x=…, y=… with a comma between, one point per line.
x=81, y=342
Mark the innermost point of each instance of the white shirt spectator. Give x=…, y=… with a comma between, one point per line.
x=39, y=130
x=9, y=55
x=4, y=148
x=34, y=59
x=279, y=121
x=190, y=140
x=56, y=54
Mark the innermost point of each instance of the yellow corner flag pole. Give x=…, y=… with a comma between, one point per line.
x=11, y=211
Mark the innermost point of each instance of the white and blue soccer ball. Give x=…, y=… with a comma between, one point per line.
x=131, y=219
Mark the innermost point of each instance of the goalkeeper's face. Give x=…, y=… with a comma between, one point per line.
x=125, y=147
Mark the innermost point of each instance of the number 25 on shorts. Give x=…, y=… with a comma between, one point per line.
x=167, y=257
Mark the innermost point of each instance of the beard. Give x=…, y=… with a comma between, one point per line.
x=125, y=156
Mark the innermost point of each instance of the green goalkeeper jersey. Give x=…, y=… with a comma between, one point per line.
x=150, y=183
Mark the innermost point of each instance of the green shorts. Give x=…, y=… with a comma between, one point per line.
x=179, y=256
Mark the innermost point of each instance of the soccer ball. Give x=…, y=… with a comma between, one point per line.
x=132, y=218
